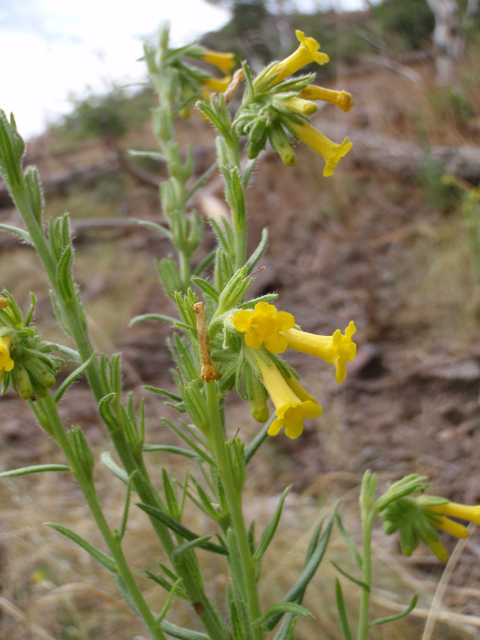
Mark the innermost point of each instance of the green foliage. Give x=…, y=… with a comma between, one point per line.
x=438, y=195
x=411, y=20
x=106, y=116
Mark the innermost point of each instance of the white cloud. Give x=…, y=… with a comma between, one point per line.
x=64, y=47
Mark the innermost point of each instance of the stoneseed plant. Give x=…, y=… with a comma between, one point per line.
x=222, y=340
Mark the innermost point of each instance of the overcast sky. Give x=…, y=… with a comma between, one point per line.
x=50, y=49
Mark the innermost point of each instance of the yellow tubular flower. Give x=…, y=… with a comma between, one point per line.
x=219, y=85
x=330, y=151
x=453, y=528
x=263, y=326
x=438, y=549
x=463, y=511
x=336, y=349
x=297, y=105
x=6, y=363
x=307, y=52
x=290, y=409
x=342, y=99
x=224, y=61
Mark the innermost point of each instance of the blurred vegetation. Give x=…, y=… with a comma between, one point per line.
x=407, y=25
x=110, y=115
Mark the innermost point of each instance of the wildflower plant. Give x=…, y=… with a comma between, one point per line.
x=221, y=342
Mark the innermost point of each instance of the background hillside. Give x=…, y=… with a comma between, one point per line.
x=383, y=242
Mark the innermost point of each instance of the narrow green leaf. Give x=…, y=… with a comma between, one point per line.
x=175, y=526
x=235, y=563
x=342, y=613
x=181, y=633
x=297, y=592
x=70, y=353
x=169, y=489
x=351, y=545
x=64, y=275
x=168, y=603
x=286, y=629
x=271, y=528
x=163, y=392
x=184, y=548
x=347, y=575
x=123, y=524
x=207, y=261
x=258, y=253
x=190, y=442
x=166, y=585
x=206, y=287
x=247, y=174
x=312, y=545
x=201, y=181
x=259, y=439
x=250, y=304
x=39, y=468
x=398, y=616
x=24, y=235
x=168, y=449
x=283, y=607
x=154, y=225
x=102, y=557
x=152, y=316
x=109, y=462
x=72, y=377
x=208, y=507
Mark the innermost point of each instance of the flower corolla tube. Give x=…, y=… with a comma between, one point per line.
x=336, y=349
x=307, y=52
x=291, y=410
x=330, y=151
x=224, y=61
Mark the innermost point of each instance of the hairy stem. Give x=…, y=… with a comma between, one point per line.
x=235, y=508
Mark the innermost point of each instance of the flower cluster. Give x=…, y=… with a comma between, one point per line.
x=25, y=359
x=418, y=519
x=187, y=83
x=275, y=330
x=276, y=104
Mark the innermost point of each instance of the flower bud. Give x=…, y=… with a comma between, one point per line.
x=22, y=382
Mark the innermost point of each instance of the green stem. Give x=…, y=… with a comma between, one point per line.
x=368, y=519
x=234, y=506
x=239, y=218
x=211, y=619
x=185, y=274
x=88, y=490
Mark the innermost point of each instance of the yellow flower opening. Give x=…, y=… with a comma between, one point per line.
x=307, y=52
x=330, y=151
x=342, y=99
x=224, y=61
x=336, y=349
x=6, y=363
x=219, y=85
x=263, y=326
x=291, y=410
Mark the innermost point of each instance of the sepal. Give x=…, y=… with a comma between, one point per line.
x=83, y=453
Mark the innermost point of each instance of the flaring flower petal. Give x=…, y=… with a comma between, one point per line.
x=6, y=363
x=263, y=326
